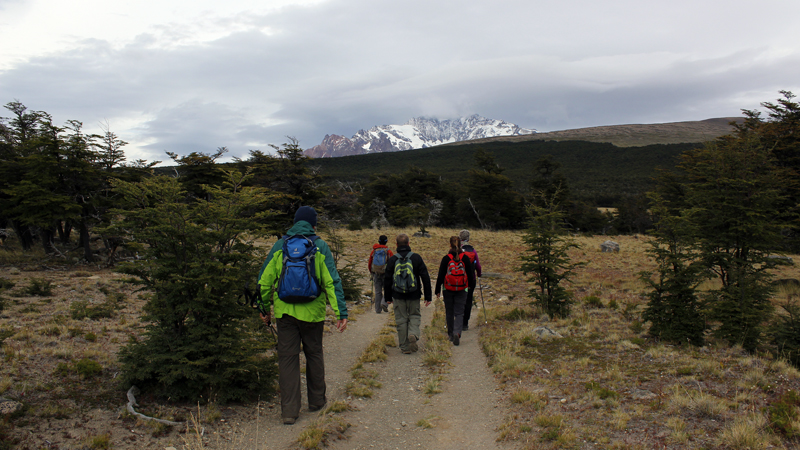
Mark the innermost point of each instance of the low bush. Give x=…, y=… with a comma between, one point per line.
x=39, y=287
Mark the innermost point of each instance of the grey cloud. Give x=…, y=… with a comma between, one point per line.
x=340, y=66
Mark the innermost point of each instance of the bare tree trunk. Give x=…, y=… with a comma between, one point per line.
x=86, y=243
x=47, y=240
x=24, y=234
x=483, y=225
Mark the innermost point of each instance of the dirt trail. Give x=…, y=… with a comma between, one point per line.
x=465, y=414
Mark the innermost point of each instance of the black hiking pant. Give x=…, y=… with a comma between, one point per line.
x=454, y=311
x=291, y=334
x=468, y=307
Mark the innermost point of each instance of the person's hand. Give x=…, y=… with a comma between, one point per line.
x=427, y=303
x=341, y=325
x=267, y=318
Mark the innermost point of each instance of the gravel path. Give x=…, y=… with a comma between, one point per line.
x=465, y=415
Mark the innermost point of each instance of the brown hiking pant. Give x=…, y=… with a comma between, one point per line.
x=291, y=334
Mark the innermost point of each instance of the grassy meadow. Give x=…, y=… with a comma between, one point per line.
x=603, y=384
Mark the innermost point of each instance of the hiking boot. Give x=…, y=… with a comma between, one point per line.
x=466, y=327
x=313, y=408
x=289, y=420
x=406, y=351
x=456, y=339
x=412, y=343
x=385, y=307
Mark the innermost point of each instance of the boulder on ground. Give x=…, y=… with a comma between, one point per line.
x=545, y=333
x=609, y=246
x=9, y=406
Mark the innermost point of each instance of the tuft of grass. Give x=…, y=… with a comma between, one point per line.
x=101, y=441
x=433, y=385
x=678, y=434
x=428, y=422
x=535, y=401
x=698, y=403
x=337, y=407
x=316, y=434
x=745, y=433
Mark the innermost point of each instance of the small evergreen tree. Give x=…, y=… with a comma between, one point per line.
x=348, y=273
x=733, y=196
x=198, y=343
x=674, y=309
x=547, y=260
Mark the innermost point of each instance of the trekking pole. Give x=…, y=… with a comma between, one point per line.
x=480, y=286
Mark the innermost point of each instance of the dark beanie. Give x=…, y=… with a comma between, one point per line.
x=383, y=240
x=306, y=213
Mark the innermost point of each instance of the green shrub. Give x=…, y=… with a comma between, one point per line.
x=785, y=333
x=90, y=337
x=517, y=314
x=82, y=309
x=88, y=368
x=5, y=334
x=784, y=412
x=601, y=392
x=6, y=284
x=62, y=369
x=592, y=301
x=39, y=287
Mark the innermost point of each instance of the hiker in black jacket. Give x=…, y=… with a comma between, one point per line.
x=406, y=304
x=455, y=287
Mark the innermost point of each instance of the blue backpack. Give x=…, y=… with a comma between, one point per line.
x=298, y=282
x=379, y=259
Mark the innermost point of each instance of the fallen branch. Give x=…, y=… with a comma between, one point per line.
x=132, y=402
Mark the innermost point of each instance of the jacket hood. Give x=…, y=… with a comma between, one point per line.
x=301, y=227
x=377, y=246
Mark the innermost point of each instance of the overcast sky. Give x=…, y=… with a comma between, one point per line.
x=194, y=75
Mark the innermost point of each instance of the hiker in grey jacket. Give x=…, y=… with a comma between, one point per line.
x=406, y=305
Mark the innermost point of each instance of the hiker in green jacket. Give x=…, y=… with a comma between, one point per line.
x=302, y=323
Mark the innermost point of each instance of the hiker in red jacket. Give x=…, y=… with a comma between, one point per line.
x=457, y=276
x=476, y=264
x=377, y=270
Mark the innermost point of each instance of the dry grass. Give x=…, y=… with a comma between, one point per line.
x=618, y=388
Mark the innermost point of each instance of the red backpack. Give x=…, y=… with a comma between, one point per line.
x=456, y=277
x=470, y=252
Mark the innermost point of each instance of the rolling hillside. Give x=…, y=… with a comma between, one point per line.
x=634, y=135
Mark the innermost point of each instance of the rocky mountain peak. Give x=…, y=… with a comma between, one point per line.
x=419, y=132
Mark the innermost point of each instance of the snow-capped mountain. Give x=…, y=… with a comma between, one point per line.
x=419, y=132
